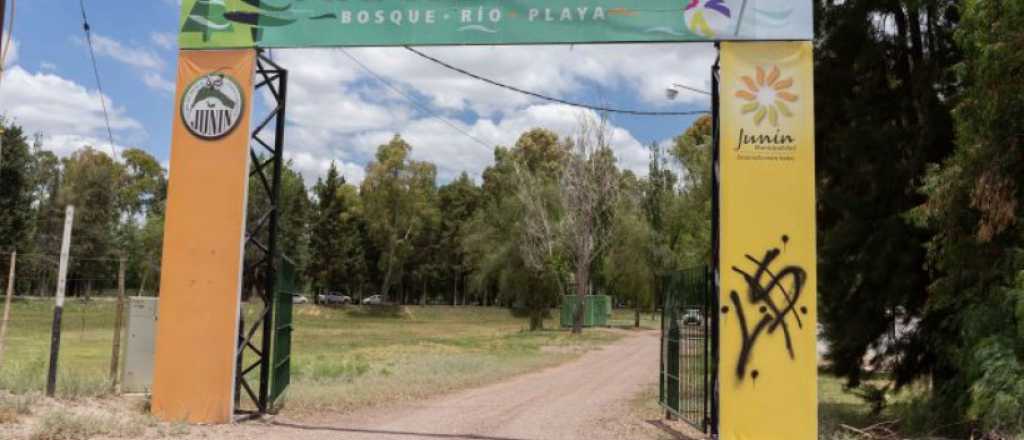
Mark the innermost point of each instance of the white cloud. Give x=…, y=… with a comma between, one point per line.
x=46, y=65
x=158, y=82
x=165, y=40
x=336, y=111
x=64, y=144
x=133, y=56
x=68, y=114
x=435, y=141
x=144, y=59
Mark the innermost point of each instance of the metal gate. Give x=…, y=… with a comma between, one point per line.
x=281, y=351
x=688, y=359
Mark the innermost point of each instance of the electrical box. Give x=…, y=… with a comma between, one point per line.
x=139, y=345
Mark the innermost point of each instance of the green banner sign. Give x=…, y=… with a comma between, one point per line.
x=220, y=24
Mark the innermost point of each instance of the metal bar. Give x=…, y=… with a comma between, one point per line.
x=270, y=280
x=716, y=232
x=254, y=241
x=259, y=225
x=254, y=349
x=248, y=390
x=266, y=80
x=259, y=170
x=250, y=368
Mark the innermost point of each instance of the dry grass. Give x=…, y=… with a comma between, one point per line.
x=355, y=358
x=66, y=424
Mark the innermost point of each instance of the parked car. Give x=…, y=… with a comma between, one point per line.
x=332, y=298
x=693, y=317
x=299, y=299
x=374, y=300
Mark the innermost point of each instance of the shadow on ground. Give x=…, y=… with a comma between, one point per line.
x=380, y=432
x=674, y=432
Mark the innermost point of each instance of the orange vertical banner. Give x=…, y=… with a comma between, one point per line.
x=201, y=276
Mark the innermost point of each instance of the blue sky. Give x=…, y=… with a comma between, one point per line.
x=336, y=110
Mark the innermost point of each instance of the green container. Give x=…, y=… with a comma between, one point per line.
x=596, y=314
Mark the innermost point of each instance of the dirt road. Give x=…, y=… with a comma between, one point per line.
x=576, y=400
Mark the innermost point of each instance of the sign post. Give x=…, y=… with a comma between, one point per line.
x=58, y=309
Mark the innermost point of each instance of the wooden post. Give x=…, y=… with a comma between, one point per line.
x=7, y=304
x=58, y=310
x=118, y=317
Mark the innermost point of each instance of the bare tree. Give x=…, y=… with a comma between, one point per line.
x=589, y=188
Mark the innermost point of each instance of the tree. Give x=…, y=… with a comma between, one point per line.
x=15, y=188
x=692, y=214
x=973, y=323
x=524, y=267
x=625, y=266
x=398, y=198
x=883, y=114
x=458, y=202
x=589, y=187
x=89, y=176
x=337, y=245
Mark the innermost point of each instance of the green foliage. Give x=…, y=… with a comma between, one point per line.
x=399, y=195
x=691, y=215
x=338, y=259
x=625, y=267
x=16, y=185
x=883, y=113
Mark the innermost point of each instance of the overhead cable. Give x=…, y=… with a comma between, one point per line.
x=414, y=101
x=597, y=108
x=99, y=85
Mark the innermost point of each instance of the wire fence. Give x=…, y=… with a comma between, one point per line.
x=35, y=275
x=90, y=321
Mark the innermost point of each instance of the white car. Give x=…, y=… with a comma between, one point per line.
x=374, y=300
x=299, y=299
x=334, y=298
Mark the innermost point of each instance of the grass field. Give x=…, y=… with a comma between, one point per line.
x=349, y=358
x=343, y=358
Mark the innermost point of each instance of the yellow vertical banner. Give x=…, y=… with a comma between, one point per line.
x=201, y=274
x=767, y=266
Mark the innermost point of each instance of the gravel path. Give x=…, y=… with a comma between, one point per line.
x=572, y=401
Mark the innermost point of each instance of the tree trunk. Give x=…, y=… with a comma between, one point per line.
x=582, y=280
x=423, y=295
x=455, y=290
x=536, y=320
x=636, y=316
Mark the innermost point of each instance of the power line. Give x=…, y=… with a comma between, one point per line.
x=99, y=85
x=552, y=99
x=415, y=102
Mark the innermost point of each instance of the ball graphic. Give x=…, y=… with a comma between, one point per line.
x=710, y=18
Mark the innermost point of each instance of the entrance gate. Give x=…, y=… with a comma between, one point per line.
x=764, y=252
x=688, y=361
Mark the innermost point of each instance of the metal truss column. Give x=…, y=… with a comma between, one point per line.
x=262, y=251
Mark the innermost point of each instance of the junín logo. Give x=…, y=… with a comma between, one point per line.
x=212, y=106
x=768, y=96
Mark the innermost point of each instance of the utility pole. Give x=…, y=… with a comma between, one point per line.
x=58, y=310
x=7, y=303
x=117, y=324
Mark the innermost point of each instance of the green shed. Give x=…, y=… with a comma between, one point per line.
x=596, y=314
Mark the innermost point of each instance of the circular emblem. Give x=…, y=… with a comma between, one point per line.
x=212, y=106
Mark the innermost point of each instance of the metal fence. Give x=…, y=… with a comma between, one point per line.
x=687, y=357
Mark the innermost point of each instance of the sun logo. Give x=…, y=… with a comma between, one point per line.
x=708, y=17
x=768, y=96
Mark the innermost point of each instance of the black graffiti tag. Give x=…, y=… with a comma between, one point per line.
x=775, y=310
